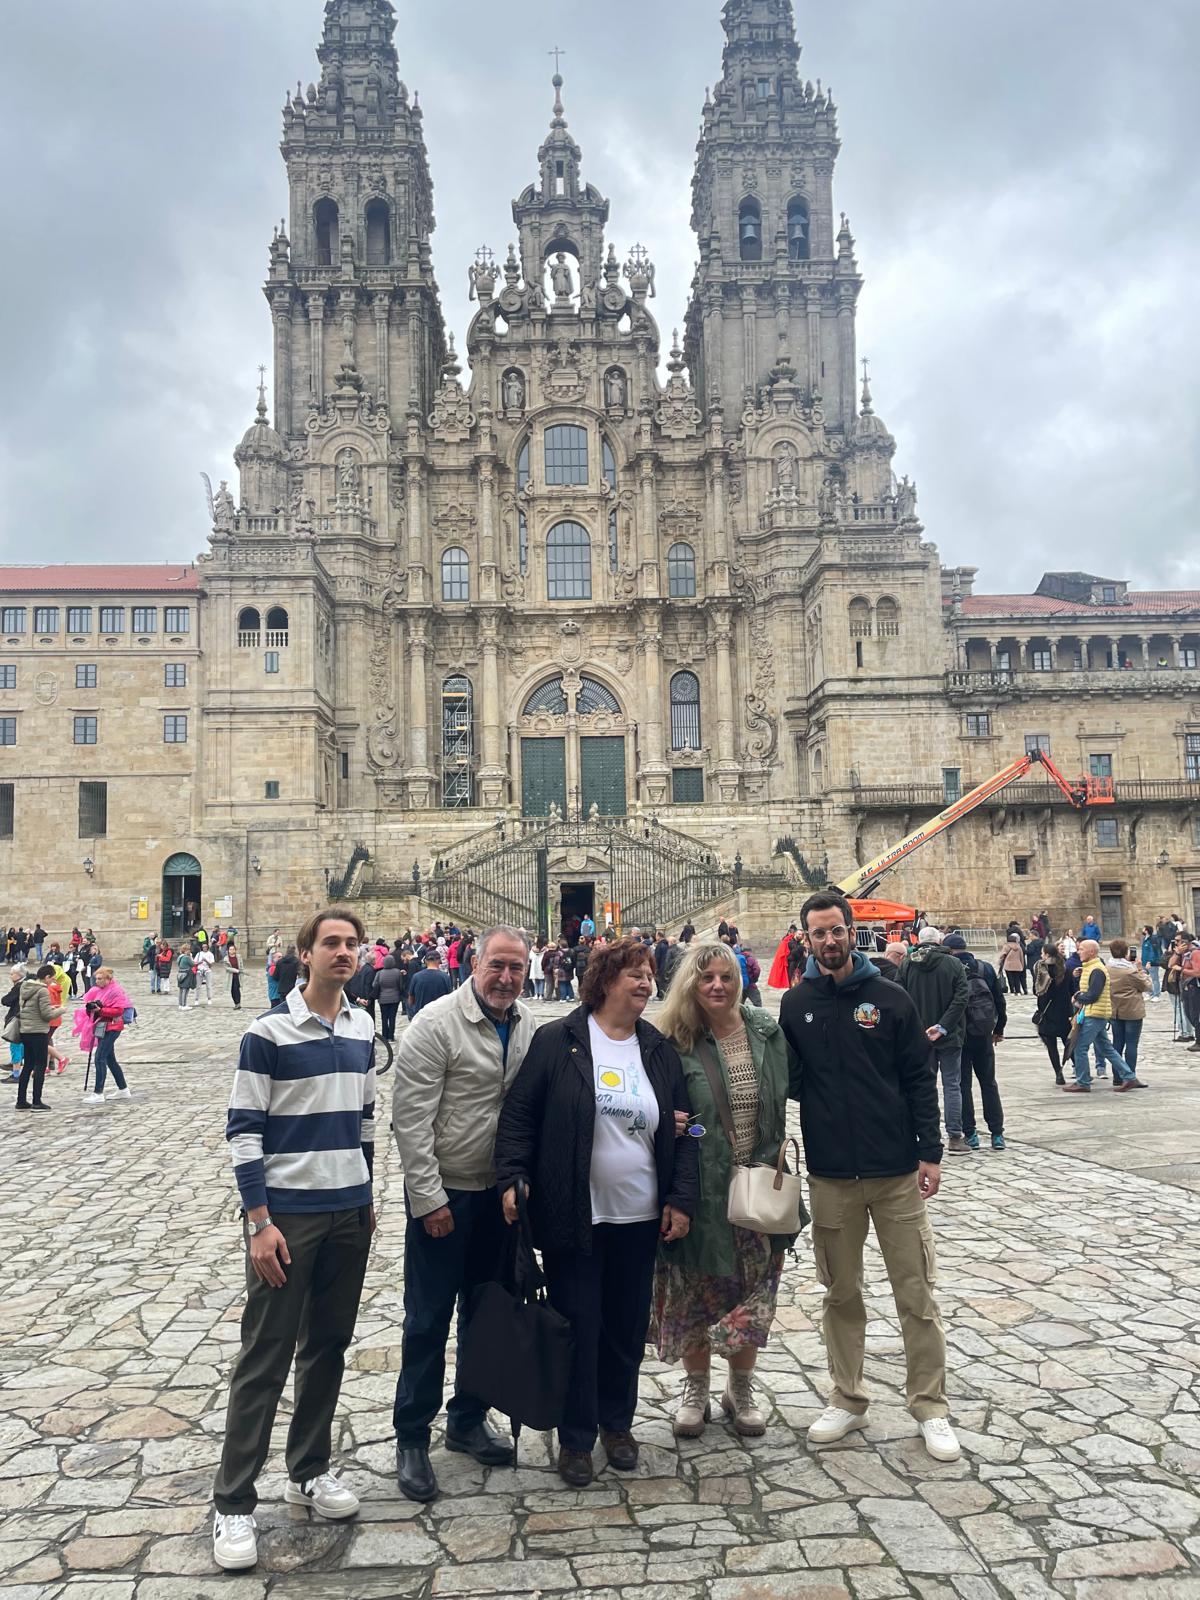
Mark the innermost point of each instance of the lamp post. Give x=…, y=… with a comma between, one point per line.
x=89, y=866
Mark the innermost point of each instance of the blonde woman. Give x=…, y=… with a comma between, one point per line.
x=716, y=1289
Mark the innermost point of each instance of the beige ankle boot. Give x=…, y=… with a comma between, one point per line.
x=739, y=1405
x=694, y=1408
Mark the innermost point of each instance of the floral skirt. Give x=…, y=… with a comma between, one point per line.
x=694, y=1311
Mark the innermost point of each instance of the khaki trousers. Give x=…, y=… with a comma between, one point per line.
x=841, y=1209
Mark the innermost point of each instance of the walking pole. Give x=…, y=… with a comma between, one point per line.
x=87, y=1069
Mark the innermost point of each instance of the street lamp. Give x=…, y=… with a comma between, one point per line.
x=89, y=866
x=416, y=874
x=1164, y=859
x=256, y=866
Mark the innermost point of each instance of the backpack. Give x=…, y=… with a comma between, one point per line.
x=981, y=1007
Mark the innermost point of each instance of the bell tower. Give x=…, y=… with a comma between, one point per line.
x=351, y=284
x=776, y=280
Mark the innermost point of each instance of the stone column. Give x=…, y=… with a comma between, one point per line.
x=420, y=774
x=489, y=588
x=654, y=766
x=381, y=305
x=417, y=576
x=813, y=309
x=749, y=342
x=491, y=774
x=281, y=316
x=316, y=335
x=846, y=356
x=1176, y=646
x=727, y=774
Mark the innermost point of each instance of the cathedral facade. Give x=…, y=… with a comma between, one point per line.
x=458, y=599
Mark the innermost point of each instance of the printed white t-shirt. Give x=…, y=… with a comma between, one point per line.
x=624, y=1178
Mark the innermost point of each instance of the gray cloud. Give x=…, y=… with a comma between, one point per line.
x=1019, y=177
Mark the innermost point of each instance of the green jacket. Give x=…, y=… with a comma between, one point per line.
x=708, y=1247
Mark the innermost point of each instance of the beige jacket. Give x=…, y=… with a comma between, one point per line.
x=36, y=1011
x=1128, y=988
x=451, y=1077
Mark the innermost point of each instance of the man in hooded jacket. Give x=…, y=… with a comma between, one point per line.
x=979, y=1043
x=937, y=986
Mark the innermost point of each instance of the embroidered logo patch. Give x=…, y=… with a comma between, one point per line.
x=867, y=1016
x=808, y=1016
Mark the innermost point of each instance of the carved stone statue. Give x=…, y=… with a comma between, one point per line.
x=224, y=510
x=514, y=390
x=560, y=278
x=785, y=467
x=614, y=389
x=348, y=475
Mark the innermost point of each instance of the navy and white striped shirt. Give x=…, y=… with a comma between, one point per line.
x=301, y=1122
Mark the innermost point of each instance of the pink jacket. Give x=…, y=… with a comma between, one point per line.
x=111, y=997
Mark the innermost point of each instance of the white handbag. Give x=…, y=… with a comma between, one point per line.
x=765, y=1199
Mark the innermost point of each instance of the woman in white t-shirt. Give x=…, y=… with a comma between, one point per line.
x=589, y=1126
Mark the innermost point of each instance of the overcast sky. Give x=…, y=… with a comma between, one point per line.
x=1020, y=176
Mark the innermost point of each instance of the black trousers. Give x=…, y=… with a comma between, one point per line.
x=37, y=1054
x=387, y=1013
x=1016, y=982
x=440, y=1274
x=235, y=988
x=606, y=1298
x=979, y=1057
x=1051, y=1041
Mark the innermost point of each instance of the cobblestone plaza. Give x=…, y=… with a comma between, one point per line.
x=1069, y=1286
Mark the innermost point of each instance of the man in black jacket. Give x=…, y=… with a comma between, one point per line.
x=984, y=1022
x=872, y=1145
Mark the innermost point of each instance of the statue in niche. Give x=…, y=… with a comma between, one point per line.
x=785, y=468
x=614, y=389
x=224, y=511
x=514, y=390
x=561, y=280
x=348, y=475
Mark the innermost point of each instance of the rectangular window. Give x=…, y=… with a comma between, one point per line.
x=1196, y=833
x=45, y=619
x=1003, y=660
x=1100, y=766
x=1039, y=660
x=687, y=786
x=79, y=619
x=8, y=730
x=85, y=730
x=85, y=675
x=174, y=730
x=8, y=676
x=566, y=455
x=1108, y=833
x=1108, y=595
x=1037, y=744
x=176, y=619
x=175, y=675
x=345, y=760
x=112, y=619
x=272, y=661
x=145, y=619
x=1188, y=658
x=979, y=725
x=12, y=619
x=1192, y=757
x=764, y=88
x=1021, y=866
x=93, y=810
x=951, y=785
x=271, y=789
x=858, y=653
x=6, y=810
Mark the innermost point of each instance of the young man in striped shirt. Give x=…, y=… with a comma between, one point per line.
x=301, y=1128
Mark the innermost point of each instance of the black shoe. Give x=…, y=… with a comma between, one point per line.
x=621, y=1450
x=414, y=1473
x=575, y=1467
x=22, y=1105
x=483, y=1444
x=1058, y=1078
x=39, y=1105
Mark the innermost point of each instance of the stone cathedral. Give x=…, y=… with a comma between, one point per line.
x=464, y=609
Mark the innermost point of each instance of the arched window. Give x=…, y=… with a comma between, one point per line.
x=797, y=228
x=277, y=617
x=566, y=456
x=379, y=234
x=610, y=466
x=860, y=619
x=551, y=698
x=458, y=743
x=681, y=572
x=887, y=618
x=523, y=468
x=325, y=231
x=593, y=696
x=568, y=563
x=456, y=574
x=685, y=711
x=277, y=628
x=249, y=628
x=750, y=235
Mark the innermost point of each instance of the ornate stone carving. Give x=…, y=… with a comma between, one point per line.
x=456, y=523
x=383, y=745
x=571, y=649
x=451, y=419
x=512, y=392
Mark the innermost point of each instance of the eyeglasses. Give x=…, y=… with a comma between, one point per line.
x=817, y=934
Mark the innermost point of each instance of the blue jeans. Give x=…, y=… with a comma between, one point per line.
x=106, y=1062
x=1126, y=1037
x=1155, y=982
x=565, y=991
x=153, y=980
x=1093, y=1033
x=1183, y=1027
x=948, y=1064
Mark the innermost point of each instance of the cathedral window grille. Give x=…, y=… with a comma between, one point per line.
x=278, y=623
x=456, y=574
x=551, y=699
x=610, y=467
x=750, y=229
x=45, y=619
x=176, y=619
x=614, y=553
x=325, y=233
x=145, y=619
x=681, y=572
x=458, y=743
x=569, y=562
x=379, y=234
x=522, y=543
x=12, y=619
x=687, y=786
x=112, y=619
x=566, y=456
x=93, y=810
x=595, y=697
x=249, y=628
x=1192, y=757
x=798, y=223
x=685, y=711
x=860, y=619
x=523, y=469
x=79, y=619
x=887, y=618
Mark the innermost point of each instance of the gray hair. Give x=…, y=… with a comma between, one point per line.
x=502, y=930
x=18, y=971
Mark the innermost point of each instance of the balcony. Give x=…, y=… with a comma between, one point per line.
x=978, y=683
x=1076, y=680
x=931, y=798
x=249, y=639
x=277, y=638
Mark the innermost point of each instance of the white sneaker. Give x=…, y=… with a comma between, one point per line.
x=834, y=1424
x=939, y=1439
x=235, y=1542
x=93, y=1099
x=325, y=1495
x=123, y=1094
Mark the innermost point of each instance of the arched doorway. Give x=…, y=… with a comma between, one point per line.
x=573, y=738
x=182, y=896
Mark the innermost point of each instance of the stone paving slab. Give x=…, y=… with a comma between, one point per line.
x=1070, y=1288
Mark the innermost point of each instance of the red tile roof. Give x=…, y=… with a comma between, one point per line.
x=164, y=578
x=1142, y=603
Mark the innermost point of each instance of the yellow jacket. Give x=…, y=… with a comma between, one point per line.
x=1103, y=1006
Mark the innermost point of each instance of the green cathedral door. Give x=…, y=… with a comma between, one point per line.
x=543, y=776
x=603, y=772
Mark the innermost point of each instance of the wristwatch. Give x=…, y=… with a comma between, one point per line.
x=259, y=1227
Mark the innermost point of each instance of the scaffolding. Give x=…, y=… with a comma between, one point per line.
x=458, y=743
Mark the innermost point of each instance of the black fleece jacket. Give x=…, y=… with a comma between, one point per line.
x=548, y=1121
